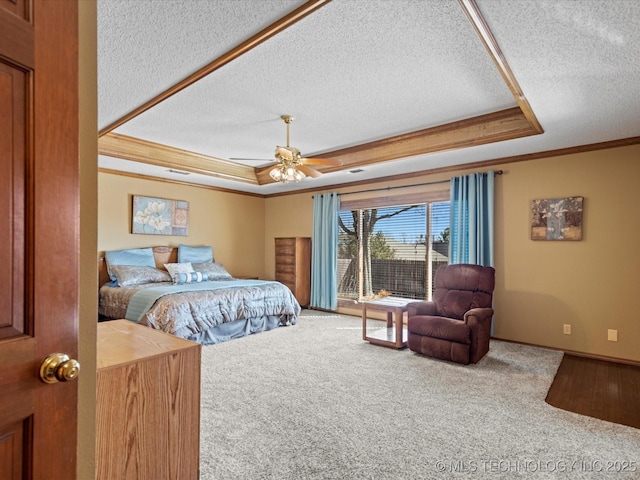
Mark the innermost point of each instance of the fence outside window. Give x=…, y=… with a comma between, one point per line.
x=406, y=245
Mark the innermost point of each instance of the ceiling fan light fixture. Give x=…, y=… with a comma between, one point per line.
x=286, y=173
x=276, y=174
x=291, y=165
x=298, y=175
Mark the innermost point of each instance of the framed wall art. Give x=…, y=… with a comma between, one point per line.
x=556, y=219
x=160, y=216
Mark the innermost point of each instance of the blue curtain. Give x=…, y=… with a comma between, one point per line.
x=471, y=234
x=324, y=251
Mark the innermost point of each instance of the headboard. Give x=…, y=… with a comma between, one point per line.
x=161, y=255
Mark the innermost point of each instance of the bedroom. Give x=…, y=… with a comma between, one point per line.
x=541, y=287
x=591, y=281
x=564, y=160
x=543, y=284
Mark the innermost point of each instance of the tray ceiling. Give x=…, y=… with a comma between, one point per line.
x=355, y=73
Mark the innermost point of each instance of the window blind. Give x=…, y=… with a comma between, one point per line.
x=394, y=249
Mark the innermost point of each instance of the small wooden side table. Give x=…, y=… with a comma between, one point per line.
x=395, y=333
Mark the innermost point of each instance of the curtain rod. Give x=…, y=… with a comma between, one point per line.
x=497, y=172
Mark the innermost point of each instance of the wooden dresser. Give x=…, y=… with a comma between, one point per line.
x=293, y=266
x=148, y=404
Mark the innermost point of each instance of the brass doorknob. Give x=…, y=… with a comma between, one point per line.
x=58, y=367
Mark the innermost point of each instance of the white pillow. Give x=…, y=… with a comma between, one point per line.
x=175, y=269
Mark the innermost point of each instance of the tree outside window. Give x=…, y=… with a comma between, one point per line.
x=390, y=249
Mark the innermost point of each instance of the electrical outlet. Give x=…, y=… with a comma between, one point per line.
x=612, y=335
x=566, y=329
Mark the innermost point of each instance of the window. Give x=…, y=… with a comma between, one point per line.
x=393, y=248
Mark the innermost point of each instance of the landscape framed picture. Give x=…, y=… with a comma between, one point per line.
x=556, y=219
x=159, y=216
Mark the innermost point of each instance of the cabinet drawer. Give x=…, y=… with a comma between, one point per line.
x=285, y=259
x=285, y=248
x=285, y=268
x=286, y=278
x=290, y=286
x=285, y=241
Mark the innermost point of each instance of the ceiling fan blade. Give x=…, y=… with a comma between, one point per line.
x=320, y=161
x=284, y=152
x=252, y=159
x=308, y=171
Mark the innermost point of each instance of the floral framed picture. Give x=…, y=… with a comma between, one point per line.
x=160, y=216
x=557, y=219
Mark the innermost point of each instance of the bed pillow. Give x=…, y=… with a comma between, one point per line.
x=175, y=268
x=214, y=271
x=191, y=277
x=127, y=275
x=194, y=254
x=139, y=257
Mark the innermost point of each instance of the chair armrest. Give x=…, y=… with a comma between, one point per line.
x=477, y=316
x=421, y=308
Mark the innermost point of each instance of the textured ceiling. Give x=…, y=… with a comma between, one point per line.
x=146, y=46
x=359, y=71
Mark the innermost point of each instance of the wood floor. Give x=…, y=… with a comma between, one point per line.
x=597, y=388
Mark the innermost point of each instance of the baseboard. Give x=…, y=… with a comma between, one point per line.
x=593, y=356
x=603, y=358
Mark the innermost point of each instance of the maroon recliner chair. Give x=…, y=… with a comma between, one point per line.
x=456, y=325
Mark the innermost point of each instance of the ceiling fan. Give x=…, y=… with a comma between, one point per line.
x=292, y=166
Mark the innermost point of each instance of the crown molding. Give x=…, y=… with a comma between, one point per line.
x=472, y=10
x=177, y=182
x=138, y=150
x=493, y=127
x=249, y=44
x=623, y=142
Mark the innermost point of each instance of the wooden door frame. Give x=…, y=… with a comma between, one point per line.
x=88, y=128
x=55, y=187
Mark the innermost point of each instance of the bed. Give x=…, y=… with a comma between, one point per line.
x=212, y=308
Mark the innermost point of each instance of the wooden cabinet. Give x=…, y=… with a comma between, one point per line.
x=293, y=266
x=148, y=404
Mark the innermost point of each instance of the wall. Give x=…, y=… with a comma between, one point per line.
x=588, y=284
x=233, y=224
x=542, y=285
x=286, y=216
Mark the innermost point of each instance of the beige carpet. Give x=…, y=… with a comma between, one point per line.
x=314, y=401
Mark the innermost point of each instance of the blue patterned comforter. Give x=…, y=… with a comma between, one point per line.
x=188, y=309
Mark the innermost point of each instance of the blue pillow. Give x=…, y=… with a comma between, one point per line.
x=194, y=254
x=139, y=257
